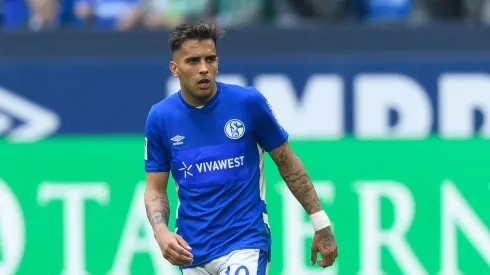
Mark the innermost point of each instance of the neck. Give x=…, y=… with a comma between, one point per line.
x=197, y=101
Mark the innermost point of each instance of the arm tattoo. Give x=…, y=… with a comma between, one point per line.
x=158, y=210
x=296, y=177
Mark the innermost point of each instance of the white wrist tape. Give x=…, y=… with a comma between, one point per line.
x=320, y=220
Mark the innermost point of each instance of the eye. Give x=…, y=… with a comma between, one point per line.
x=211, y=58
x=193, y=60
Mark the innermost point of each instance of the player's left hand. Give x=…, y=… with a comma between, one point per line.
x=324, y=242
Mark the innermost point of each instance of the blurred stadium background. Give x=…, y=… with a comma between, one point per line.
x=387, y=103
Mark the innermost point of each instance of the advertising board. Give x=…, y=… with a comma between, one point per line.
x=323, y=99
x=75, y=206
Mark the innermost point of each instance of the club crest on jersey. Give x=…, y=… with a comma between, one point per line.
x=234, y=129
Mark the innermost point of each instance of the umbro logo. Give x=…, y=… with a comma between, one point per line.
x=177, y=140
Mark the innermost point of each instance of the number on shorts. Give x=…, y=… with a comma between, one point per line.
x=237, y=272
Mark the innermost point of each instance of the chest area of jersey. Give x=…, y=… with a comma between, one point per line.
x=195, y=131
x=212, y=150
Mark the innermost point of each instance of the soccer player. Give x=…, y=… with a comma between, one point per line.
x=212, y=137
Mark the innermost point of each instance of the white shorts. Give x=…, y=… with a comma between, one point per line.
x=239, y=262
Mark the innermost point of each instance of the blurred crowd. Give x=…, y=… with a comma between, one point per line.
x=121, y=15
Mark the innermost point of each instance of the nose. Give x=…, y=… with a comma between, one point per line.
x=203, y=68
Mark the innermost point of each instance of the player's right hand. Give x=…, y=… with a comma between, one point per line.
x=174, y=248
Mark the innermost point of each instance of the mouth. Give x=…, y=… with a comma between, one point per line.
x=204, y=83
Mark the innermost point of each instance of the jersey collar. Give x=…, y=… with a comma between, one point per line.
x=209, y=106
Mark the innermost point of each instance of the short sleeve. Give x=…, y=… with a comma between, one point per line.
x=156, y=154
x=269, y=132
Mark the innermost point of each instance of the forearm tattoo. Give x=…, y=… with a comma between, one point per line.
x=296, y=177
x=157, y=210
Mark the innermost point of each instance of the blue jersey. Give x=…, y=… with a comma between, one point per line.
x=216, y=156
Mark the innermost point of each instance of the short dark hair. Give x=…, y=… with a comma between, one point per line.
x=199, y=30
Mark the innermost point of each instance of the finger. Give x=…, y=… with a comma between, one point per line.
x=314, y=252
x=332, y=258
x=178, y=258
x=334, y=255
x=174, y=261
x=183, y=243
x=180, y=250
x=168, y=257
x=328, y=258
x=323, y=262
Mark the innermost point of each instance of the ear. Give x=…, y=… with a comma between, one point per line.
x=173, y=68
